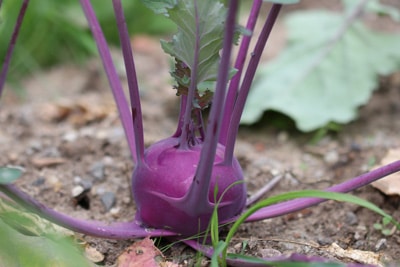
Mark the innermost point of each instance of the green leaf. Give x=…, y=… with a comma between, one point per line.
x=160, y=6
x=217, y=252
x=377, y=226
x=284, y=2
x=385, y=221
x=323, y=76
x=206, y=23
x=301, y=194
x=9, y=175
x=374, y=6
x=28, y=240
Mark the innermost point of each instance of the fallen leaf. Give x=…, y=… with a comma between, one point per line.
x=43, y=162
x=360, y=256
x=79, y=112
x=389, y=185
x=143, y=254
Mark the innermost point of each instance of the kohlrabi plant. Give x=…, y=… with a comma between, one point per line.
x=179, y=183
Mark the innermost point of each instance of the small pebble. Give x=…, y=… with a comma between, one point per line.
x=115, y=211
x=361, y=232
x=331, y=157
x=77, y=179
x=351, y=218
x=39, y=181
x=359, y=244
x=324, y=241
x=381, y=244
x=97, y=170
x=70, y=136
x=108, y=200
x=86, y=184
x=283, y=137
x=77, y=191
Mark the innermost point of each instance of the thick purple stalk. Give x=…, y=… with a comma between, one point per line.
x=298, y=204
x=132, y=81
x=198, y=192
x=115, y=83
x=240, y=60
x=94, y=228
x=187, y=119
x=247, y=81
x=10, y=50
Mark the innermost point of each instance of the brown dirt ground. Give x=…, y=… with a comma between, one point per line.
x=67, y=113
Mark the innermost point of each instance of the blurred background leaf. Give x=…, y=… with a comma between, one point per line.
x=56, y=31
x=325, y=73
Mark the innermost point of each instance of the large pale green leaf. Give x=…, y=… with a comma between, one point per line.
x=323, y=76
x=375, y=6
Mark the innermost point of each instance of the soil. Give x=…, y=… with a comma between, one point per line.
x=65, y=132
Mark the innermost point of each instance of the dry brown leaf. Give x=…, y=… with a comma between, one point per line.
x=78, y=112
x=43, y=162
x=360, y=256
x=143, y=254
x=389, y=185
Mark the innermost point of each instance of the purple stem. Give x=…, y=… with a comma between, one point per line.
x=132, y=80
x=187, y=119
x=200, y=125
x=10, y=50
x=198, y=193
x=240, y=60
x=298, y=204
x=182, y=106
x=247, y=81
x=124, y=230
x=112, y=75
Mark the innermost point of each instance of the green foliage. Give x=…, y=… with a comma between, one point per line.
x=28, y=240
x=374, y=6
x=207, y=26
x=56, y=31
x=197, y=43
x=160, y=6
x=385, y=227
x=9, y=175
x=328, y=69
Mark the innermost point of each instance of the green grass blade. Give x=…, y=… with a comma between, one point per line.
x=302, y=194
